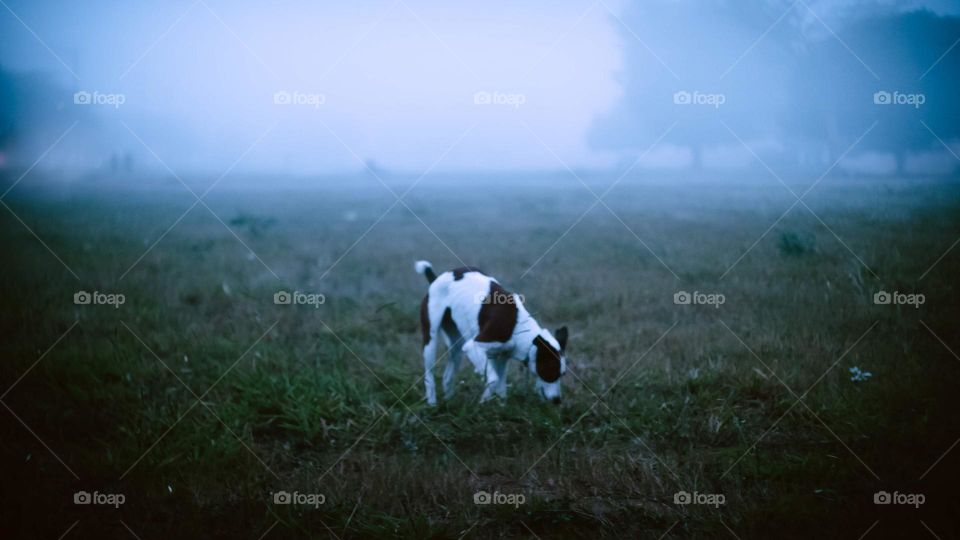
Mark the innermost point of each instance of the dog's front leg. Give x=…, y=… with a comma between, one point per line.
x=482, y=364
x=476, y=356
x=492, y=382
x=502, y=373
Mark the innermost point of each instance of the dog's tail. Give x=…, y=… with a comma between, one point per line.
x=425, y=268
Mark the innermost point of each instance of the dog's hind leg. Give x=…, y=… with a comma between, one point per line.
x=429, y=351
x=455, y=352
x=429, y=360
x=450, y=371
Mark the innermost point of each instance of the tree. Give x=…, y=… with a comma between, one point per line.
x=878, y=70
x=708, y=53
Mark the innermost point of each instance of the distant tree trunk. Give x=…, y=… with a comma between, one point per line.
x=901, y=158
x=696, y=152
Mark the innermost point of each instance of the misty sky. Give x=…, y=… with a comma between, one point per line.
x=394, y=81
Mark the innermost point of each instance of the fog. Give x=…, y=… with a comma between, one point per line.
x=302, y=88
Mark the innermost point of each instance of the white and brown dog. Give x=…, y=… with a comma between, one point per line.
x=472, y=309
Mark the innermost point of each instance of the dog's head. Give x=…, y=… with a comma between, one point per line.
x=548, y=362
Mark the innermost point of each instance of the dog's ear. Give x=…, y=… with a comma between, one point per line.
x=561, y=334
x=548, y=360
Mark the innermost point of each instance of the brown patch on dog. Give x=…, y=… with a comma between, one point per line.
x=425, y=320
x=548, y=360
x=498, y=315
x=449, y=327
x=459, y=272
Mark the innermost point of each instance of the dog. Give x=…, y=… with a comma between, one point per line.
x=481, y=319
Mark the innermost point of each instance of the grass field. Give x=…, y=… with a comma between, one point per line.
x=199, y=398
